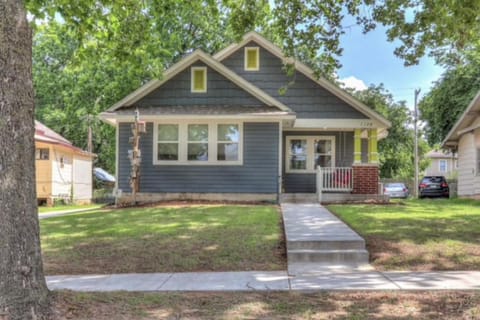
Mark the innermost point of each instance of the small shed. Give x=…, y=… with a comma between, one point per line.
x=63, y=171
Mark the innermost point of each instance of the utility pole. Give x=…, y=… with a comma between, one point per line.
x=415, y=117
x=90, y=138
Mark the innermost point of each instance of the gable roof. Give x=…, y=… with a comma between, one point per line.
x=209, y=61
x=304, y=69
x=464, y=123
x=47, y=135
x=439, y=154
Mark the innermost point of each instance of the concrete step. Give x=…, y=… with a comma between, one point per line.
x=354, y=256
x=299, y=198
x=327, y=245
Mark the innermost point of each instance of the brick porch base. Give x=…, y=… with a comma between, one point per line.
x=365, y=179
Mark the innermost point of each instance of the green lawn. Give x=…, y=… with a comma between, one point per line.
x=418, y=234
x=44, y=209
x=164, y=239
x=269, y=305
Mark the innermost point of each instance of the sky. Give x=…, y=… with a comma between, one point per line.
x=369, y=59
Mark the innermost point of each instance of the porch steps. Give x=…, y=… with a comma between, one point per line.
x=318, y=239
x=299, y=198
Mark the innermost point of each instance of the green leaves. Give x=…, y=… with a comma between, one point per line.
x=450, y=96
x=442, y=29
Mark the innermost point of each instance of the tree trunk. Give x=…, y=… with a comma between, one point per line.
x=23, y=291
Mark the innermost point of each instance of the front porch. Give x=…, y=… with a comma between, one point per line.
x=331, y=166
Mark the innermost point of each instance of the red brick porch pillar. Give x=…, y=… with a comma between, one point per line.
x=365, y=178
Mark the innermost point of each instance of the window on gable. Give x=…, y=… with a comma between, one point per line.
x=252, y=58
x=199, y=79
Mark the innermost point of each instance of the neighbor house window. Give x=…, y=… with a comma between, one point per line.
x=478, y=162
x=167, y=142
x=252, y=58
x=228, y=139
x=304, y=154
x=41, y=154
x=199, y=79
x=442, y=165
x=198, y=143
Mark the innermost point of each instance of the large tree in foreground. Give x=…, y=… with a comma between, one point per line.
x=23, y=291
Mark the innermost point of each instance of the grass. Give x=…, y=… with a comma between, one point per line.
x=164, y=239
x=43, y=209
x=271, y=305
x=419, y=235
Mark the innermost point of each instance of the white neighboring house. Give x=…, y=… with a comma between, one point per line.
x=63, y=171
x=442, y=164
x=464, y=139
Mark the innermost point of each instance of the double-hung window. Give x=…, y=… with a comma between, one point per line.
x=305, y=153
x=198, y=143
x=167, y=142
x=228, y=139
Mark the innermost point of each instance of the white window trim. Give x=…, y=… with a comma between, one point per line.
x=310, y=152
x=192, y=82
x=257, y=49
x=440, y=165
x=183, y=144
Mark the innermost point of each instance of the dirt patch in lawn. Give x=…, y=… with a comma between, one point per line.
x=270, y=305
x=406, y=255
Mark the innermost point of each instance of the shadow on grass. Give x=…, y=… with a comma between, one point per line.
x=271, y=305
x=165, y=239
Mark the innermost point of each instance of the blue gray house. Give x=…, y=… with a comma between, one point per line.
x=217, y=128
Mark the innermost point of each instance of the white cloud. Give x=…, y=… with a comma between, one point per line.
x=353, y=83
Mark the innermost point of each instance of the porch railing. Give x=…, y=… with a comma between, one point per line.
x=336, y=179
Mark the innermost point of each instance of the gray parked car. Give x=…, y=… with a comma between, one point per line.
x=396, y=190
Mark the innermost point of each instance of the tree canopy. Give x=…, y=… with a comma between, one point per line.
x=443, y=105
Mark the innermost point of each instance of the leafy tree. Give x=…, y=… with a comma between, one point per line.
x=23, y=291
x=396, y=150
x=443, y=29
x=449, y=97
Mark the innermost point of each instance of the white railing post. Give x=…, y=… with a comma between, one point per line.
x=319, y=183
x=336, y=179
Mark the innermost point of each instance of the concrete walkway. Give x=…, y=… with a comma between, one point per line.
x=318, y=241
x=65, y=212
x=269, y=281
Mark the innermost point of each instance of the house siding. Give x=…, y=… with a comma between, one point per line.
x=177, y=92
x=305, y=182
x=434, y=168
x=258, y=174
x=308, y=99
x=62, y=177
x=466, y=165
